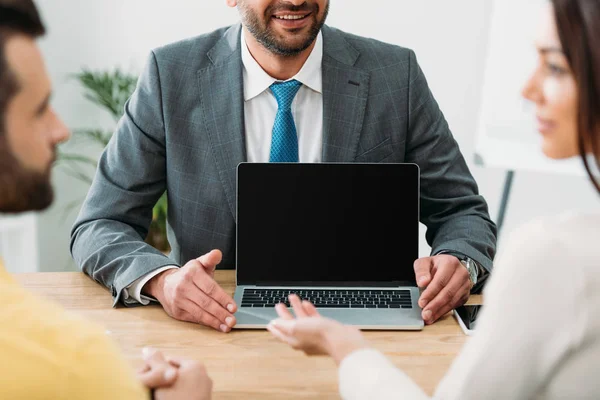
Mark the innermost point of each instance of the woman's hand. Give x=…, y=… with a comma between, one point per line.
x=313, y=334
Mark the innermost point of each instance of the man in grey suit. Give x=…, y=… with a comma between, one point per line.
x=281, y=86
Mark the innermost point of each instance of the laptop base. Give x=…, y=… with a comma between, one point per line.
x=363, y=318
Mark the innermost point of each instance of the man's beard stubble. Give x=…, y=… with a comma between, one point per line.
x=21, y=189
x=266, y=37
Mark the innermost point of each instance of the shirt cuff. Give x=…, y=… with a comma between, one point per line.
x=133, y=293
x=368, y=374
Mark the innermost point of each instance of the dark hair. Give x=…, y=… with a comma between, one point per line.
x=16, y=17
x=578, y=24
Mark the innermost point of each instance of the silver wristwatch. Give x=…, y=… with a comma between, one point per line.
x=472, y=269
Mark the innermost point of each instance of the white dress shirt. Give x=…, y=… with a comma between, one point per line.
x=538, y=336
x=260, y=109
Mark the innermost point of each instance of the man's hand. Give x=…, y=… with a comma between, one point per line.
x=447, y=282
x=191, y=294
x=174, y=379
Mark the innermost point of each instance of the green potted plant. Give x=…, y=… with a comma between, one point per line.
x=109, y=90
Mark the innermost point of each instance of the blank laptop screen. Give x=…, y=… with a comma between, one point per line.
x=314, y=224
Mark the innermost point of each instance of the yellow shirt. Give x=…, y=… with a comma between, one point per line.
x=46, y=353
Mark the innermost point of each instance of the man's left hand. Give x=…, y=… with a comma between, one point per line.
x=447, y=285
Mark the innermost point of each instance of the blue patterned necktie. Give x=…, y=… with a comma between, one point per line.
x=284, y=143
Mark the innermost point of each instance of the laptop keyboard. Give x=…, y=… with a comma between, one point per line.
x=329, y=298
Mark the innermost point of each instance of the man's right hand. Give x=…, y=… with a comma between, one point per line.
x=191, y=294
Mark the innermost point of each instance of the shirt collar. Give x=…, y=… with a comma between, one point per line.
x=256, y=80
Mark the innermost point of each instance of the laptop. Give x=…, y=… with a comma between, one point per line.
x=344, y=236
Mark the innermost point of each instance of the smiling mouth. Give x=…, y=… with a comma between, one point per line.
x=291, y=17
x=545, y=126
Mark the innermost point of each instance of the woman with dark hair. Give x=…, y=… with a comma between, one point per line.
x=539, y=336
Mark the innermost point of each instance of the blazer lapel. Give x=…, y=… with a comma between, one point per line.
x=345, y=92
x=222, y=97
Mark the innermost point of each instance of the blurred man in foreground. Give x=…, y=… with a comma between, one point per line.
x=47, y=353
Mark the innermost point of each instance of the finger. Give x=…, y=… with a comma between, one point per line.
x=158, y=377
x=297, y=306
x=448, y=293
x=202, y=317
x=283, y=311
x=310, y=309
x=152, y=355
x=182, y=362
x=209, y=286
x=459, y=299
x=285, y=326
x=174, y=362
x=423, y=271
x=157, y=372
x=210, y=260
x=144, y=368
x=439, y=313
x=206, y=303
x=440, y=280
x=276, y=332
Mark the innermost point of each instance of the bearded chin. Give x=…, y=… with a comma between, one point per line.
x=268, y=38
x=21, y=189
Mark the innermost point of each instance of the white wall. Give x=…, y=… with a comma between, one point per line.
x=449, y=37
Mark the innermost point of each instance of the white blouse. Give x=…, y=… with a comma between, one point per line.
x=538, y=335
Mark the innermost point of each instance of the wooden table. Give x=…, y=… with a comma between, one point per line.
x=245, y=364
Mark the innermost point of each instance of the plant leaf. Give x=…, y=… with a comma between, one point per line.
x=68, y=157
x=78, y=175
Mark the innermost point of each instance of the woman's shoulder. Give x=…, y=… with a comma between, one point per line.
x=555, y=241
x=564, y=229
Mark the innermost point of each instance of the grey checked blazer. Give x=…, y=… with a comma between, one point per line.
x=183, y=131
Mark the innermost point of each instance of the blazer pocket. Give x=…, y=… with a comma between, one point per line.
x=377, y=153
